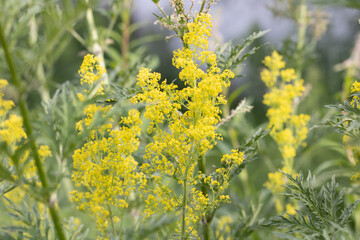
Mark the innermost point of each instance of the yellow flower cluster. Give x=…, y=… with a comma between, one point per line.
x=104, y=166
x=224, y=228
x=13, y=134
x=183, y=124
x=288, y=129
x=236, y=158
x=276, y=184
x=11, y=125
x=91, y=72
x=355, y=88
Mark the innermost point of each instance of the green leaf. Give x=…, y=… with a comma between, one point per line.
x=319, y=208
x=5, y=174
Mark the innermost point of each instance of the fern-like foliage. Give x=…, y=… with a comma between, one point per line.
x=347, y=119
x=33, y=222
x=322, y=213
x=232, y=56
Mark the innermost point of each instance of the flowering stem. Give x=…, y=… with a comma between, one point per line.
x=180, y=31
x=205, y=220
x=94, y=36
x=25, y=115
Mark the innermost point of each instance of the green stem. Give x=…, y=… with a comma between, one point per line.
x=302, y=25
x=185, y=202
x=96, y=47
x=125, y=17
x=231, y=130
x=25, y=115
x=40, y=72
x=111, y=220
x=122, y=211
x=202, y=6
x=179, y=31
x=77, y=37
x=206, y=221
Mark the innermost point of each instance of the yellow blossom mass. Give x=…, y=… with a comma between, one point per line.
x=287, y=128
x=182, y=128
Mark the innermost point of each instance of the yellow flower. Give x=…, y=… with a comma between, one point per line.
x=223, y=227
x=275, y=62
x=355, y=178
x=268, y=78
x=236, y=157
x=44, y=151
x=104, y=165
x=288, y=130
x=290, y=209
x=182, y=127
x=288, y=75
x=276, y=182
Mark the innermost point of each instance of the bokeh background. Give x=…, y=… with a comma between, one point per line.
x=49, y=44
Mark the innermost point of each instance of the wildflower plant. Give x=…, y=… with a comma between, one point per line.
x=191, y=114
x=182, y=126
x=287, y=128
x=127, y=154
x=104, y=166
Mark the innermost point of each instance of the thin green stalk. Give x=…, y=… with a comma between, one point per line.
x=179, y=31
x=77, y=37
x=161, y=10
x=185, y=202
x=202, y=6
x=122, y=211
x=302, y=25
x=25, y=115
x=40, y=72
x=94, y=36
x=111, y=220
x=227, y=112
x=206, y=221
x=125, y=17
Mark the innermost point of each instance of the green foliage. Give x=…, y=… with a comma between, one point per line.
x=158, y=227
x=47, y=39
x=32, y=222
x=322, y=214
x=56, y=125
x=28, y=221
x=346, y=119
x=232, y=57
x=75, y=231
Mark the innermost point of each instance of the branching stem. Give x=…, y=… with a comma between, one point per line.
x=26, y=119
